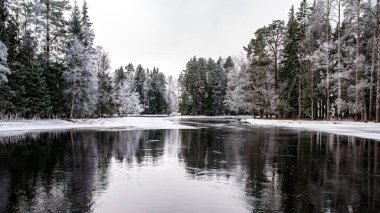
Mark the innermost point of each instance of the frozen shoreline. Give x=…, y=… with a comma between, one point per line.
x=357, y=129
x=127, y=123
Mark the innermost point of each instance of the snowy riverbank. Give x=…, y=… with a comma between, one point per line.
x=17, y=127
x=357, y=129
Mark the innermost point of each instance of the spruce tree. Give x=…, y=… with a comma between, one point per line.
x=37, y=94
x=290, y=73
x=75, y=23
x=105, y=102
x=228, y=64
x=139, y=81
x=156, y=101
x=88, y=33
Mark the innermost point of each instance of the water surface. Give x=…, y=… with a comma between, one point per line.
x=218, y=168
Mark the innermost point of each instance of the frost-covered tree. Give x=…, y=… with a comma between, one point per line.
x=236, y=93
x=80, y=79
x=353, y=18
x=261, y=85
x=53, y=28
x=4, y=72
x=105, y=103
x=4, y=69
x=127, y=100
x=172, y=95
x=118, y=81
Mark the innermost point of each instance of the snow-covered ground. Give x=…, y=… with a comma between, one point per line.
x=129, y=123
x=357, y=129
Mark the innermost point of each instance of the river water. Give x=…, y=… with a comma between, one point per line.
x=220, y=167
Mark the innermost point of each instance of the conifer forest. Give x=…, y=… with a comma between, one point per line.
x=321, y=63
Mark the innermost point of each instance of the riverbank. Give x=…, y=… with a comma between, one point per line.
x=127, y=123
x=358, y=129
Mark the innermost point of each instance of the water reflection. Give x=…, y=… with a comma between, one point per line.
x=204, y=170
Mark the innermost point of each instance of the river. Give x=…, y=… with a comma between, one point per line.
x=219, y=167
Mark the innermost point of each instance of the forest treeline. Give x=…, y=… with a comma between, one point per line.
x=50, y=66
x=323, y=62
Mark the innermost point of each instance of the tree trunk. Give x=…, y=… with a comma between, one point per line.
x=275, y=73
x=299, y=99
x=365, y=117
x=327, y=61
x=72, y=108
x=339, y=105
x=357, y=64
x=373, y=58
x=48, y=32
x=378, y=64
x=313, y=114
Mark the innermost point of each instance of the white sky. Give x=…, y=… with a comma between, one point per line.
x=167, y=33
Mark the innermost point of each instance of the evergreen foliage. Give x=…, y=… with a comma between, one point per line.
x=203, y=86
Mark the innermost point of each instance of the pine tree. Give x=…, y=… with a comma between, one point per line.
x=353, y=18
x=54, y=31
x=54, y=44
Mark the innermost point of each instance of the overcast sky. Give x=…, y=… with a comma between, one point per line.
x=167, y=33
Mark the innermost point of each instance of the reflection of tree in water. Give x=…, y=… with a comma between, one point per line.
x=151, y=147
x=310, y=172
x=288, y=171
x=276, y=168
x=203, y=152
x=54, y=173
x=49, y=172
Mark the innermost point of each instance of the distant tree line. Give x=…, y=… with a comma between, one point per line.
x=323, y=63
x=203, y=86
x=49, y=66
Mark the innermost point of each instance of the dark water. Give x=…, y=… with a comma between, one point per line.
x=214, y=169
